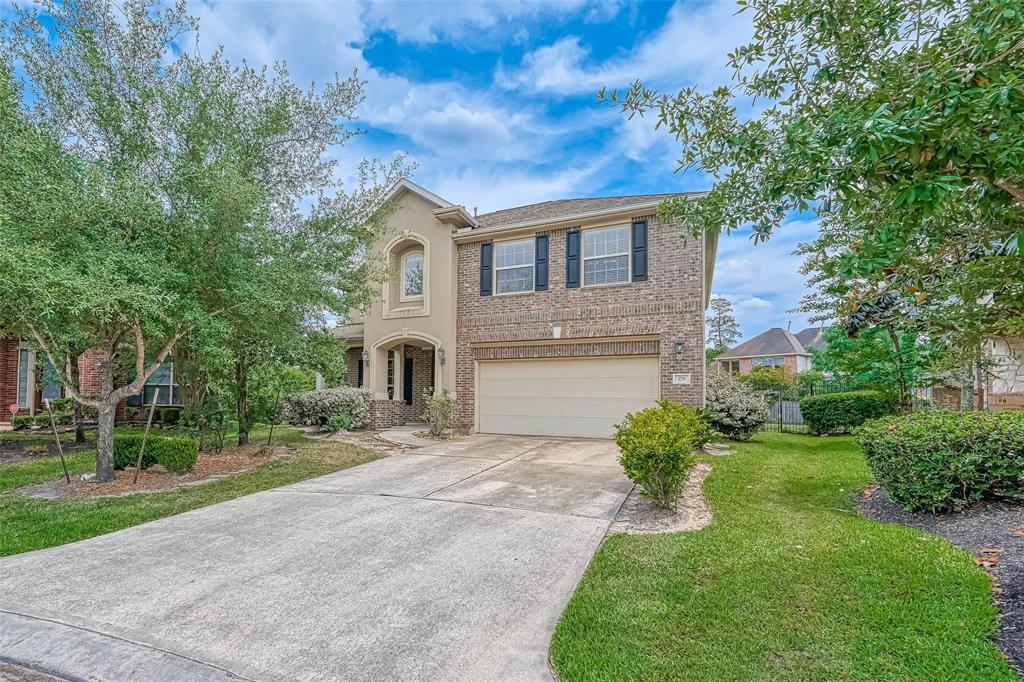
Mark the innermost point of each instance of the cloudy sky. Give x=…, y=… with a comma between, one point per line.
x=495, y=102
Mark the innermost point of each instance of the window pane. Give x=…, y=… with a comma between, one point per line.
x=161, y=376
x=514, y=279
x=413, y=275
x=149, y=391
x=511, y=254
x=23, y=378
x=606, y=270
x=605, y=242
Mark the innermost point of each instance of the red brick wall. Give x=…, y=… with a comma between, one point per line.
x=8, y=377
x=421, y=359
x=667, y=307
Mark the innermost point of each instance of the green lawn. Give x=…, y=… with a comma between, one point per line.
x=787, y=583
x=28, y=524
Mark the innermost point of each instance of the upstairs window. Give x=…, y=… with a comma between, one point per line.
x=513, y=266
x=606, y=256
x=412, y=276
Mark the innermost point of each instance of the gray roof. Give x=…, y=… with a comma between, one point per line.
x=567, y=207
x=812, y=337
x=775, y=341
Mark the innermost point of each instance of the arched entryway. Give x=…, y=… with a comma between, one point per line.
x=403, y=368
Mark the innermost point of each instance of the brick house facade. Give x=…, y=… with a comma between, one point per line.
x=607, y=315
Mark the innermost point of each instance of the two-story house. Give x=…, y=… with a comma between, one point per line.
x=549, y=319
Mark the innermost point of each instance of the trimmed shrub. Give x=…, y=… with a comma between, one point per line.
x=942, y=460
x=22, y=422
x=733, y=409
x=314, y=408
x=177, y=454
x=130, y=414
x=339, y=422
x=62, y=418
x=657, y=446
x=62, y=404
x=439, y=411
x=842, y=412
x=42, y=420
x=169, y=416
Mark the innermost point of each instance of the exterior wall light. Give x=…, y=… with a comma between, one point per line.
x=680, y=347
x=441, y=356
x=366, y=357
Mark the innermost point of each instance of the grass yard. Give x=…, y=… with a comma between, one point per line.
x=29, y=524
x=787, y=583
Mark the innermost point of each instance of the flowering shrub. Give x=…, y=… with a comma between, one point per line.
x=656, y=448
x=733, y=408
x=316, y=408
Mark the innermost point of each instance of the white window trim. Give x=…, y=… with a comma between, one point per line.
x=30, y=380
x=532, y=265
x=423, y=271
x=584, y=258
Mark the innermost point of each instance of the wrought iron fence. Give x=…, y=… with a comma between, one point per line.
x=785, y=403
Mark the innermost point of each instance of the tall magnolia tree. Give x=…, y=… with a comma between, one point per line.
x=723, y=329
x=904, y=120
x=177, y=206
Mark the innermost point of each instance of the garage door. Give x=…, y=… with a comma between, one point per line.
x=577, y=397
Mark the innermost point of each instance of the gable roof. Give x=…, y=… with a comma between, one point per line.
x=405, y=185
x=812, y=337
x=569, y=207
x=775, y=341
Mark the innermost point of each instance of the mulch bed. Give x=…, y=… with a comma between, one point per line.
x=639, y=515
x=209, y=466
x=15, y=451
x=994, y=533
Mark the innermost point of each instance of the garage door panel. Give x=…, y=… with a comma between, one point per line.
x=625, y=387
x=564, y=397
x=577, y=407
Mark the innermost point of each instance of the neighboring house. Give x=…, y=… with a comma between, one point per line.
x=556, y=318
x=776, y=347
x=25, y=381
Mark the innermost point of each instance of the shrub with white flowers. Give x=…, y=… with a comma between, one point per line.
x=734, y=409
x=317, y=408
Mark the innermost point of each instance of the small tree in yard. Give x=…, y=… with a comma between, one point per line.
x=440, y=408
x=723, y=329
x=657, y=446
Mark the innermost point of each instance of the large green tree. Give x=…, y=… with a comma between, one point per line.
x=902, y=120
x=723, y=329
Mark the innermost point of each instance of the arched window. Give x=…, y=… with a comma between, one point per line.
x=412, y=276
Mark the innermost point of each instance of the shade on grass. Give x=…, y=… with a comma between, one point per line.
x=787, y=583
x=27, y=524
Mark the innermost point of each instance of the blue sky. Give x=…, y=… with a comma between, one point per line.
x=495, y=102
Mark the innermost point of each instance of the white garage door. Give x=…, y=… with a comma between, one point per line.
x=564, y=397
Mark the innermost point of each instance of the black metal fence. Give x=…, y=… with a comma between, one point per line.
x=785, y=403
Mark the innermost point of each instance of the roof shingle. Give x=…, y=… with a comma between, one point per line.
x=567, y=207
x=775, y=341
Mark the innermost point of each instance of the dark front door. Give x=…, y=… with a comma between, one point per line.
x=407, y=381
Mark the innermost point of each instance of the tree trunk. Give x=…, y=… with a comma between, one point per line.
x=105, y=423
x=242, y=393
x=76, y=407
x=967, y=388
x=906, y=399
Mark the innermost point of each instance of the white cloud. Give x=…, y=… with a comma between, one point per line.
x=689, y=47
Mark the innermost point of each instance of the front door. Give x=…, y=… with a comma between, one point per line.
x=407, y=381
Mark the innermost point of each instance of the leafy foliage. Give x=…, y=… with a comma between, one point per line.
x=315, y=408
x=657, y=446
x=768, y=378
x=942, y=460
x=723, y=329
x=439, y=410
x=177, y=454
x=734, y=409
x=841, y=412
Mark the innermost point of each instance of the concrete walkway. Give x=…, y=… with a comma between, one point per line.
x=452, y=562
x=406, y=435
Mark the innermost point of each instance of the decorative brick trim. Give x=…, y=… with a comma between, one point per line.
x=642, y=327
x=612, y=310
x=568, y=350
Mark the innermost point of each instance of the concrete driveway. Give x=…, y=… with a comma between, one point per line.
x=452, y=562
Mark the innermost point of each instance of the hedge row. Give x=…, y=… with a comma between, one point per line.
x=176, y=454
x=841, y=412
x=942, y=460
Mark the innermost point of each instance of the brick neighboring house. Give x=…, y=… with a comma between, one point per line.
x=775, y=347
x=25, y=382
x=549, y=319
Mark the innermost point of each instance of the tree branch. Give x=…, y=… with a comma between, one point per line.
x=142, y=373
x=1011, y=188
x=66, y=374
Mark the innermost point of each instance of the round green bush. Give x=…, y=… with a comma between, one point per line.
x=170, y=416
x=943, y=460
x=176, y=454
x=841, y=412
x=657, y=446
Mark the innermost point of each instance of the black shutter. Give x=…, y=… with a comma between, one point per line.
x=639, y=253
x=359, y=373
x=540, y=264
x=572, y=259
x=486, y=265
